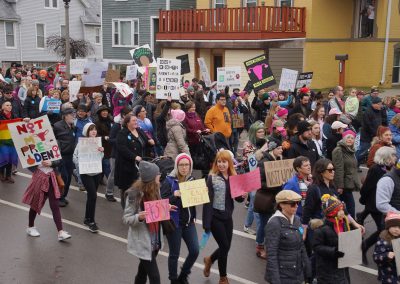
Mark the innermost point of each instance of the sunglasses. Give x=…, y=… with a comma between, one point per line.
x=330, y=170
x=292, y=203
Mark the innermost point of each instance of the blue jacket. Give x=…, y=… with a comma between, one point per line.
x=390, y=114
x=395, y=137
x=79, y=124
x=293, y=184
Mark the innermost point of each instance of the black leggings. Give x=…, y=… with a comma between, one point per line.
x=6, y=170
x=222, y=232
x=373, y=238
x=148, y=268
x=91, y=184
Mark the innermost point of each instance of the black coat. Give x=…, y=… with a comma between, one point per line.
x=16, y=106
x=128, y=148
x=247, y=115
x=260, y=108
x=371, y=120
x=297, y=148
x=31, y=107
x=298, y=108
x=115, y=129
x=65, y=136
x=103, y=126
x=368, y=189
x=161, y=125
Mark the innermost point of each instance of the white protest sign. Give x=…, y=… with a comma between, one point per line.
x=304, y=79
x=131, y=72
x=34, y=141
x=2, y=78
x=76, y=66
x=288, y=80
x=94, y=73
x=89, y=155
x=74, y=87
x=350, y=244
x=396, y=250
x=168, y=78
x=228, y=76
x=252, y=161
x=122, y=88
x=204, y=71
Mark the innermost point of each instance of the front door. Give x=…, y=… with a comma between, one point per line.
x=154, y=30
x=396, y=66
x=218, y=62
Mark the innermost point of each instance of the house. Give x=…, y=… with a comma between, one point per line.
x=304, y=35
x=131, y=23
x=25, y=25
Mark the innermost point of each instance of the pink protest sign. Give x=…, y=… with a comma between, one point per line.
x=157, y=210
x=247, y=182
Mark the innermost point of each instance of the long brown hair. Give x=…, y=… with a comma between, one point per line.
x=151, y=190
x=223, y=155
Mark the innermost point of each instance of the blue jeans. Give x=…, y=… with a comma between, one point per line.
x=66, y=168
x=189, y=235
x=261, y=221
x=106, y=167
x=348, y=199
x=362, y=152
x=250, y=211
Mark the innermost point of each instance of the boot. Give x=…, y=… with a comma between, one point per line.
x=183, y=279
x=260, y=252
x=207, y=266
x=175, y=281
x=223, y=280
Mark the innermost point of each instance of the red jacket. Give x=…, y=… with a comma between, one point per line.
x=192, y=124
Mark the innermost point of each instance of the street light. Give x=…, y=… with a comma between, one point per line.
x=67, y=46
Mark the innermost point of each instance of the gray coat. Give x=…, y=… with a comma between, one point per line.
x=287, y=260
x=176, y=139
x=139, y=242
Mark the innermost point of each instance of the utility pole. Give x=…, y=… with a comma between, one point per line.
x=67, y=45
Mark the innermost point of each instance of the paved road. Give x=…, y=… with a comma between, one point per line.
x=102, y=258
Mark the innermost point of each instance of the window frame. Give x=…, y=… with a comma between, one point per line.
x=279, y=3
x=246, y=3
x=215, y=4
x=396, y=51
x=97, y=29
x=44, y=35
x=51, y=6
x=14, y=35
x=133, y=31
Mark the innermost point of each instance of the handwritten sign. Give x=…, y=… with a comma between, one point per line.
x=34, y=141
x=260, y=72
x=288, y=80
x=204, y=71
x=151, y=80
x=50, y=104
x=252, y=161
x=237, y=120
x=350, y=244
x=122, y=88
x=396, y=250
x=94, y=74
x=247, y=182
x=157, y=210
x=77, y=66
x=131, y=72
x=74, y=87
x=228, y=76
x=89, y=155
x=304, y=79
x=168, y=78
x=278, y=172
x=194, y=193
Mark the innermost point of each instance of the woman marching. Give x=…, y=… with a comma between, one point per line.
x=217, y=215
x=183, y=220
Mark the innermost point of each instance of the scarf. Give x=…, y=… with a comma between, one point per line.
x=339, y=226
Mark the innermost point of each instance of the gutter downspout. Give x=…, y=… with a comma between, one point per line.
x=20, y=44
x=167, y=5
x=385, y=53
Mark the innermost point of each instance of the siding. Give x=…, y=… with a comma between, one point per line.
x=290, y=58
x=8, y=54
x=90, y=35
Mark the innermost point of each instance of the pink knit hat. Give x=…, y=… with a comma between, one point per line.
x=282, y=112
x=178, y=114
x=349, y=132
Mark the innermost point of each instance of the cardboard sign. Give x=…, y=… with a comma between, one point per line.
x=74, y=87
x=122, y=88
x=34, y=141
x=204, y=71
x=288, y=80
x=260, y=72
x=113, y=75
x=248, y=182
x=168, y=78
x=76, y=66
x=278, y=172
x=237, y=120
x=304, y=79
x=185, y=64
x=142, y=55
x=396, y=250
x=228, y=76
x=93, y=75
x=131, y=72
x=151, y=80
x=157, y=210
x=252, y=162
x=350, y=244
x=50, y=104
x=194, y=193
x=89, y=156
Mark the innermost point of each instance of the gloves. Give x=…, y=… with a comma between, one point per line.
x=339, y=253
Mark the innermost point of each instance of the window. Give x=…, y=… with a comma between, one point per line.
x=396, y=67
x=62, y=31
x=285, y=3
x=219, y=3
x=125, y=32
x=40, y=36
x=10, y=34
x=97, y=36
x=51, y=4
x=251, y=3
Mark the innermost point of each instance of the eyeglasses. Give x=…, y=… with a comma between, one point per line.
x=292, y=203
x=184, y=165
x=330, y=170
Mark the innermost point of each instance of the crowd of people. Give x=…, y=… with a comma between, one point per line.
x=150, y=146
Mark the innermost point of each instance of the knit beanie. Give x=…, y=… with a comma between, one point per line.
x=273, y=144
x=265, y=97
x=349, y=132
x=331, y=205
x=273, y=95
x=282, y=112
x=178, y=114
x=392, y=219
x=180, y=157
x=148, y=171
x=376, y=100
x=85, y=129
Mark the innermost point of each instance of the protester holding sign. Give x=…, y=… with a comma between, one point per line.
x=183, y=219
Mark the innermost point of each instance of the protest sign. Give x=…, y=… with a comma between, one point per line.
x=237, y=120
x=304, y=79
x=151, y=80
x=131, y=72
x=2, y=79
x=50, y=104
x=113, y=75
x=93, y=76
x=204, y=71
x=228, y=76
x=74, y=87
x=89, y=156
x=34, y=141
x=77, y=66
x=157, y=210
x=247, y=182
x=278, y=172
x=260, y=72
x=142, y=55
x=8, y=154
x=122, y=88
x=185, y=65
x=350, y=244
x=252, y=161
x=396, y=250
x=168, y=78
x=194, y=193
x=288, y=80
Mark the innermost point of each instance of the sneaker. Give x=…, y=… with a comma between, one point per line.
x=249, y=230
x=63, y=235
x=82, y=188
x=33, y=232
x=110, y=198
x=93, y=227
x=62, y=203
x=86, y=222
x=183, y=279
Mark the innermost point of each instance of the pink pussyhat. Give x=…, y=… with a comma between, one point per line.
x=178, y=114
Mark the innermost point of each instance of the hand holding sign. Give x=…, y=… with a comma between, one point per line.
x=242, y=184
x=194, y=193
x=157, y=210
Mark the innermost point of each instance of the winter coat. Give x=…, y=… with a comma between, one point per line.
x=218, y=119
x=43, y=84
x=261, y=109
x=192, y=124
x=139, y=240
x=244, y=107
x=345, y=162
x=31, y=107
x=368, y=189
x=161, y=125
x=103, y=126
x=331, y=143
x=115, y=129
x=395, y=137
x=372, y=151
x=65, y=136
x=16, y=106
x=176, y=139
x=299, y=108
x=387, y=271
x=287, y=260
x=79, y=125
x=372, y=119
x=298, y=148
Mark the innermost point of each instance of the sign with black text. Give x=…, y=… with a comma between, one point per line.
x=260, y=72
x=168, y=78
x=304, y=79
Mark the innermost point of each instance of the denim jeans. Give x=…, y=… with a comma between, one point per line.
x=348, y=199
x=250, y=211
x=261, y=221
x=362, y=152
x=189, y=236
x=106, y=167
x=66, y=168
x=110, y=180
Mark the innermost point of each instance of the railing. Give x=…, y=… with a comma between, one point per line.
x=233, y=20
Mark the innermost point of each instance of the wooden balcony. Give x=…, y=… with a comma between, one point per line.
x=254, y=23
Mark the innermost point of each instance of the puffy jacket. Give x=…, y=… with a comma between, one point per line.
x=368, y=189
x=31, y=107
x=65, y=136
x=395, y=137
x=298, y=148
x=192, y=124
x=176, y=139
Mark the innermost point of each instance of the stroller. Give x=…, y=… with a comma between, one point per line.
x=165, y=164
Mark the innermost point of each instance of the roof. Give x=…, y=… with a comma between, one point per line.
x=7, y=11
x=92, y=12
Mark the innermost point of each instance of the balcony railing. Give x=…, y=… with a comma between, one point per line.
x=232, y=23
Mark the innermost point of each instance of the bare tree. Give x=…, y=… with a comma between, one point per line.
x=79, y=48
